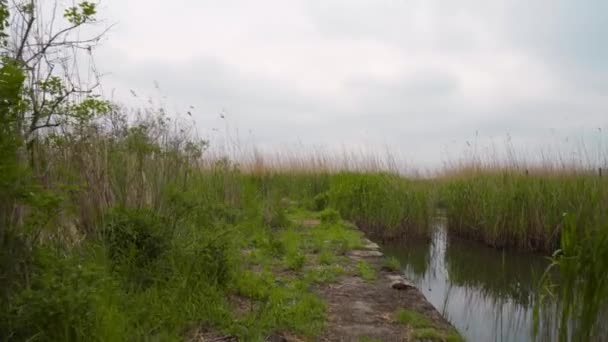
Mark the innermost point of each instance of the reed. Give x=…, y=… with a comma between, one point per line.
x=521, y=208
x=386, y=205
x=579, y=298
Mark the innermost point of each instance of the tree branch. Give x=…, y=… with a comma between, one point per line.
x=48, y=43
x=30, y=24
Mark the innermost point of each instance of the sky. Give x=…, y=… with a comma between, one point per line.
x=427, y=79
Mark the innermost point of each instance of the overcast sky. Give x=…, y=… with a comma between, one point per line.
x=422, y=77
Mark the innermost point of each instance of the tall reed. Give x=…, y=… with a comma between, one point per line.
x=384, y=204
x=521, y=208
x=581, y=292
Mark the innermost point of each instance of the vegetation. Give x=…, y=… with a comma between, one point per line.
x=558, y=211
x=116, y=227
x=519, y=208
x=424, y=328
x=125, y=227
x=383, y=204
x=366, y=271
x=581, y=294
x=391, y=264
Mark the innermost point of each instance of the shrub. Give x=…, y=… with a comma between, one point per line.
x=135, y=240
x=276, y=217
x=329, y=216
x=320, y=201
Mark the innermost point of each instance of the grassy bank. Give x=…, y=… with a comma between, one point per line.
x=212, y=253
x=133, y=232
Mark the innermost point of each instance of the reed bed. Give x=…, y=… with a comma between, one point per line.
x=521, y=208
x=383, y=204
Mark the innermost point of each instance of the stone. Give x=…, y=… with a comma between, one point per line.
x=372, y=246
x=310, y=223
x=276, y=338
x=401, y=285
x=365, y=254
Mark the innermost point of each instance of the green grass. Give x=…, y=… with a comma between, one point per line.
x=423, y=328
x=324, y=274
x=326, y=257
x=433, y=334
x=366, y=271
x=412, y=318
x=391, y=264
x=329, y=216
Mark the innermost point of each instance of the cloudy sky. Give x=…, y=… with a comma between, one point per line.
x=422, y=77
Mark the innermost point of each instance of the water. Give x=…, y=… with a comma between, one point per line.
x=487, y=294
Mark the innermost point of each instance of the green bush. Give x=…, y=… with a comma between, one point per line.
x=206, y=258
x=330, y=216
x=320, y=201
x=136, y=239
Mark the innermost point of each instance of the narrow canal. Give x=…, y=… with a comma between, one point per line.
x=487, y=294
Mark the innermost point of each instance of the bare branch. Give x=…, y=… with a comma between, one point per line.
x=48, y=43
x=30, y=24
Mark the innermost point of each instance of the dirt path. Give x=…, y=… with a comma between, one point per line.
x=366, y=310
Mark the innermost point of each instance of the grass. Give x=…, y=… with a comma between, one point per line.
x=424, y=329
x=369, y=339
x=433, y=334
x=391, y=264
x=162, y=255
x=412, y=318
x=366, y=271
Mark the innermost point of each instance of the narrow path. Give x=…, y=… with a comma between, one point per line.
x=367, y=310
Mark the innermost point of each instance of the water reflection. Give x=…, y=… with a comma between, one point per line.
x=487, y=294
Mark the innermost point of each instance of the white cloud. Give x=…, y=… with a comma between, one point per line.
x=417, y=75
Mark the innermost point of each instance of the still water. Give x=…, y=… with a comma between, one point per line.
x=487, y=294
